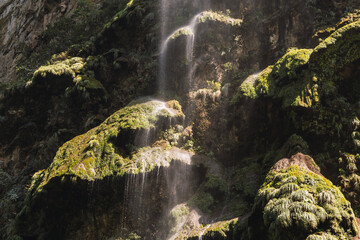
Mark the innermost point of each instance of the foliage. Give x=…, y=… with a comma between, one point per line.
x=339, y=49
x=218, y=16
x=70, y=75
x=97, y=154
x=349, y=178
x=299, y=204
x=86, y=21
x=210, y=194
x=215, y=86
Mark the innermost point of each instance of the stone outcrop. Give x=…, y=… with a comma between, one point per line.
x=294, y=203
x=21, y=23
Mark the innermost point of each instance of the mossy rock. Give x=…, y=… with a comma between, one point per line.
x=290, y=65
x=185, y=31
x=218, y=17
x=339, y=49
x=226, y=229
x=298, y=77
x=102, y=151
x=296, y=203
x=65, y=76
x=287, y=80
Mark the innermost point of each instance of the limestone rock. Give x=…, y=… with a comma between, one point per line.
x=21, y=22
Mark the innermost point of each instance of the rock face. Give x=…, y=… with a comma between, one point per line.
x=254, y=82
x=294, y=203
x=106, y=160
x=300, y=160
x=21, y=23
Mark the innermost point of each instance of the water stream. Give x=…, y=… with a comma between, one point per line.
x=171, y=180
x=189, y=31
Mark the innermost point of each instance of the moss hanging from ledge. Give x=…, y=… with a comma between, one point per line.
x=219, y=17
x=298, y=204
x=94, y=155
x=286, y=80
x=66, y=75
x=339, y=49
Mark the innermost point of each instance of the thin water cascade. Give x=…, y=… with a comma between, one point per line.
x=145, y=136
x=172, y=170
x=203, y=232
x=172, y=176
x=190, y=32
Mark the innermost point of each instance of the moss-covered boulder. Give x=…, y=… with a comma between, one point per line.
x=107, y=149
x=221, y=230
x=296, y=202
x=66, y=75
x=339, y=49
x=286, y=80
x=350, y=179
x=301, y=76
x=103, y=158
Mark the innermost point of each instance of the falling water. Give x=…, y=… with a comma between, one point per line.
x=164, y=6
x=190, y=42
x=190, y=33
x=144, y=137
x=177, y=175
x=203, y=232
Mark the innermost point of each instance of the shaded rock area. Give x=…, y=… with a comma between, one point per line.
x=21, y=22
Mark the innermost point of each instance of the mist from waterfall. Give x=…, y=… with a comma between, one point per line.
x=173, y=180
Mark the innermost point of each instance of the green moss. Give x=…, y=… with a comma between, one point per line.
x=68, y=67
x=262, y=81
x=185, y=31
x=219, y=230
x=286, y=80
x=95, y=155
x=247, y=89
x=67, y=75
x=297, y=204
x=290, y=65
x=179, y=211
x=210, y=194
x=219, y=17
x=339, y=49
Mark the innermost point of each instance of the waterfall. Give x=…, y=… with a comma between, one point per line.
x=190, y=42
x=172, y=177
x=190, y=32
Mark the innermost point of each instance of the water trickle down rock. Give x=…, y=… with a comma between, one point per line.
x=189, y=32
x=106, y=152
